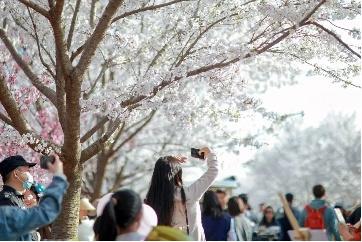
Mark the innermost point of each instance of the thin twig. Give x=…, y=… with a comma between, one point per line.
x=144, y=9
x=334, y=35
x=46, y=91
x=72, y=24
x=47, y=67
x=35, y=7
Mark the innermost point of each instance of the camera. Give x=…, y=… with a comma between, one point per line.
x=45, y=159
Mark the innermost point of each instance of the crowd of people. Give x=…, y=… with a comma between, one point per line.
x=234, y=219
x=170, y=210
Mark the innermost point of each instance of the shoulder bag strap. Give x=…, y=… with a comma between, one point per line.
x=183, y=196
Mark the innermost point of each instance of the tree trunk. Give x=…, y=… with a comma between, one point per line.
x=101, y=170
x=66, y=225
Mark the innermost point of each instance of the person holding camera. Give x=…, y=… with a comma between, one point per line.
x=175, y=205
x=17, y=179
x=17, y=223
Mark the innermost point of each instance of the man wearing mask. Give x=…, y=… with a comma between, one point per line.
x=16, y=223
x=17, y=179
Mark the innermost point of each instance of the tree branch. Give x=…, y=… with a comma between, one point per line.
x=12, y=109
x=33, y=36
x=135, y=176
x=47, y=67
x=98, y=145
x=104, y=68
x=35, y=7
x=116, y=138
x=17, y=121
x=306, y=17
x=51, y=3
x=91, y=13
x=61, y=49
x=97, y=36
x=133, y=134
x=118, y=179
x=222, y=64
x=253, y=37
x=57, y=9
x=46, y=91
x=160, y=52
x=154, y=7
x=148, y=8
x=63, y=65
x=93, y=130
x=72, y=24
x=7, y=120
x=287, y=32
x=328, y=72
x=76, y=53
x=187, y=52
x=334, y=35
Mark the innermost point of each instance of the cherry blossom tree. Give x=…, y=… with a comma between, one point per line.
x=97, y=68
x=130, y=158
x=329, y=154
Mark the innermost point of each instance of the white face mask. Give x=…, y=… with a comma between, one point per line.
x=29, y=180
x=29, y=177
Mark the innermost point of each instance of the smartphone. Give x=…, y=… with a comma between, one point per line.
x=339, y=215
x=195, y=154
x=45, y=159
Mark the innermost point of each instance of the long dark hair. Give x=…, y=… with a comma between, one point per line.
x=121, y=211
x=264, y=221
x=211, y=205
x=166, y=177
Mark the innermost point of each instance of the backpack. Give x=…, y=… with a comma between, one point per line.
x=357, y=234
x=315, y=217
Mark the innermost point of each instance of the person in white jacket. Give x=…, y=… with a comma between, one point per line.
x=175, y=205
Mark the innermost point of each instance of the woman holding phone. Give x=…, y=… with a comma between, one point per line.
x=175, y=205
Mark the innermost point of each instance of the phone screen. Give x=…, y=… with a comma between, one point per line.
x=339, y=215
x=195, y=154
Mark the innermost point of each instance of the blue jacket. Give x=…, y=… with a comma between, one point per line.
x=216, y=229
x=330, y=221
x=16, y=223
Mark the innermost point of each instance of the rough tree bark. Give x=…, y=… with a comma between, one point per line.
x=66, y=225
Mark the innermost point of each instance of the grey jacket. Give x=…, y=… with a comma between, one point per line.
x=242, y=227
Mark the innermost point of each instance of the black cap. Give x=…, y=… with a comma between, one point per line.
x=11, y=163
